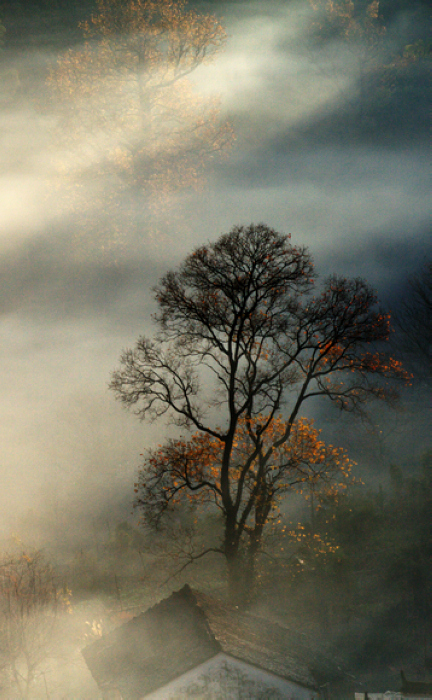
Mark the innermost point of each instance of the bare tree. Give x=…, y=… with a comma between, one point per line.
x=359, y=25
x=128, y=112
x=242, y=311
x=30, y=602
x=413, y=322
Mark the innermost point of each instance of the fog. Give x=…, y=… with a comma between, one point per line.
x=356, y=193
x=360, y=204
x=361, y=207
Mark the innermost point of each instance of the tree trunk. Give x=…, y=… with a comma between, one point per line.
x=242, y=558
x=241, y=581
x=241, y=569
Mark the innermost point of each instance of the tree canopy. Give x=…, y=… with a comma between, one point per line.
x=127, y=109
x=243, y=345
x=353, y=20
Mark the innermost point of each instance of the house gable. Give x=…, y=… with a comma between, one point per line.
x=263, y=644
x=189, y=629
x=224, y=677
x=152, y=648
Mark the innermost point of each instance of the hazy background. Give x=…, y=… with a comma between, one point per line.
x=358, y=194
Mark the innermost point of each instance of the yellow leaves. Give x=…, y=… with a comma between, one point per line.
x=354, y=19
x=330, y=352
x=180, y=469
x=64, y=599
x=373, y=9
x=127, y=111
x=95, y=630
x=386, y=366
x=315, y=543
x=268, y=459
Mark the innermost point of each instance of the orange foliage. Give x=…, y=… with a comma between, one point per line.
x=192, y=469
x=355, y=20
x=128, y=112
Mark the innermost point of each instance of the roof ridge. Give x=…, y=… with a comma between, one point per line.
x=327, y=655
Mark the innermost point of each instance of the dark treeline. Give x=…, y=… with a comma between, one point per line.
x=369, y=593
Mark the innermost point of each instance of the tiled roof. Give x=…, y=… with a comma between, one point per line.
x=187, y=629
x=260, y=642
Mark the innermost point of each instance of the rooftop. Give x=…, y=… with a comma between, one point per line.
x=185, y=630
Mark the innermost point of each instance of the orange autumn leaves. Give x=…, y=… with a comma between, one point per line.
x=355, y=20
x=129, y=119
x=184, y=471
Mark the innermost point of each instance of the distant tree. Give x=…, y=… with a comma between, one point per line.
x=353, y=20
x=241, y=310
x=400, y=626
x=127, y=109
x=30, y=602
x=359, y=25
x=413, y=321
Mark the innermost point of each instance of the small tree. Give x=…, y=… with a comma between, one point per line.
x=30, y=602
x=242, y=311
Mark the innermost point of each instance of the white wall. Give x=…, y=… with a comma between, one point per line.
x=224, y=677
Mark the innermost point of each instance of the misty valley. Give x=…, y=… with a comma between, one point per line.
x=216, y=270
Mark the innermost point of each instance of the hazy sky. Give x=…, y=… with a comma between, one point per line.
x=361, y=205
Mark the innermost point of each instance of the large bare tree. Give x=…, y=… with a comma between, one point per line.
x=243, y=346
